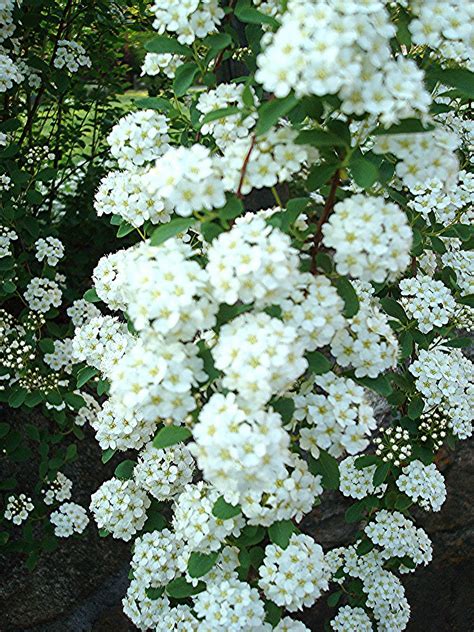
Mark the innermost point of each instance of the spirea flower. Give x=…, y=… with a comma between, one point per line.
x=68, y=519
x=50, y=249
x=58, y=490
x=71, y=55
x=349, y=619
x=424, y=484
x=41, y=294
x=18, y=508
x=164, y=473
x=427, y=301
x=189, y=20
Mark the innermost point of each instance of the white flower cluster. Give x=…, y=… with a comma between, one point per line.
x=271, y=158
x=158, y=557
x=71, y=55
x=422, y=157
x=68, y=519
x=6, y=237
x=88, y=412
x=156, y=614
x=164, y=473
x=120, y=428
x=259, y=356
x=336, y=415
x=295, y=576
x=7, y=25
x=41, y=294
x=444, y=378
x=428, y=301
x=384, y=591
x=462, y=261
x=447, y=203
x=138, y=138
x=62, y=356
x=18, y=508
x=342, y=48
x=349, y=619
x=101, y=342
x=58, y=490
x=50, y=249
x=393, y=445
x=189, y=20
x=5, y=181
x=81, y=312
x=156, y=63
x=124, y=193
x=227, y=129
x=194, y=522
x=357, y=483
x=397, y=536
x=10, y=73
x=368, y=343
x=371, y=238
x=120, y=508
x=423, y=484
x=187, y=179
x=252, y=262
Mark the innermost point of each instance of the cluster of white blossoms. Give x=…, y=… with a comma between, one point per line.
x=335, y=414
x=428, y=301
x=187, y=179
x=10, y=73
x=349, y=619
x=62, y=356
x=50, y=249
x=164, y=473
x=120, y=428
x=424, y=484
x=368, y=343
x=68, y=519
x=444, y=378
x=58, y=490
x=88, y=412
x=156, y=63
x=397, y=536
x=18, y=508
x=342, y=48
x=445, y=26
x=41, y=294
x=138, y=138
x=227, y=129
x=462, y=261
x=7, y=236
x=384, y=591
x=448, y=204
x=260, y=356
x=101, y=342
x=120, y=507
x=357, y=483
x=271, y=158
x=7, y=24
x=189, y=20
x=393, y=445
x=81, y=312
x=71, y=55
x=252, y=263
x=295, y=576
x=422, y=157
x=158, y=557
x=371, y=238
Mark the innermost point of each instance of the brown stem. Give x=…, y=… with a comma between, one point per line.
x=318, y=235
x=243, y=171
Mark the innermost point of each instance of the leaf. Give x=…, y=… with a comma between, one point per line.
x=155, y=521
x=380, y=474
x=273, y=613
x=85, y=374
x=407, y=126
x=271, y=111
x=364, y=172
x=458, y=343
x=91, y=296
x=217, y=41
x=4, y=429
x=415, y=408
x=164, y=44
x=155, y=593
x=280, y=532
x=224, y=510
x=211, y=230
x=319, y=138
x=319, y=175
x=232, y=208
x=169, y=435
x=355, y=512
x=366, y=461
x=459, y=78
x=249, y=15
x=201, y=563
x=74, y=400
x=125, y=229
x=394, y=309
x=17, y=398
x=466, y=300
x=220, y=114
x=318, y=363
x=154, y=103
x=124, y=470
x=171, y=229
x=326, y=465
x=180, y=589
x=107, y=455
x=364, y=547
x=403, y=502
x=184, y=78
x=285, y=407
x=346, y=291
x=46, y=174
x=46, y=345
x=333, y=599
x=379, y=384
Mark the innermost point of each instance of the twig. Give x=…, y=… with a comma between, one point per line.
x=318, y=235
x=243, y=171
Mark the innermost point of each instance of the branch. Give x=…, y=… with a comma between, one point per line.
x=243, y=171
x=328, y=207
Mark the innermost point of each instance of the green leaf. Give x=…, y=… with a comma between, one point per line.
x=319, y=175
x=17, y=398
x=107, y=455
x=46, y=174
x=407, y=126
x=154, y=103
x=125, y=229
x=403, y=502
x=180, y=589
x=211, y=230
x=459, y=78
x=272, y=111
x=155, y=520
x=458, y=343
x=4, y=429
x=46, y=345
x=364, y=547
x=285, y=407
x=155, y=593
x=318, y=363
x=249, y=15
x=171, y=229
x=319, y=138
x=201, y=563
x=333, y=599
x=379, y=384
x=74, y=400
x=280, y=532
x=220, y=114
x=224, y=510
x=326, y=465
x=346, y=291
x=85, y=374
x=366, y=461
x=184, y=78
x=169, y=435
x=415, y=408
x=381, y=473
x=164, y=44
x=91, y=296
x=124, y=470
x=355, y=512
x=218, y=41
x=274, y=613
x=394, y=309
x=364, y=172
x=466, y=300
x=232, y=208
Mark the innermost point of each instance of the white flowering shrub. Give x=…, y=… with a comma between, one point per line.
x=242, y=347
